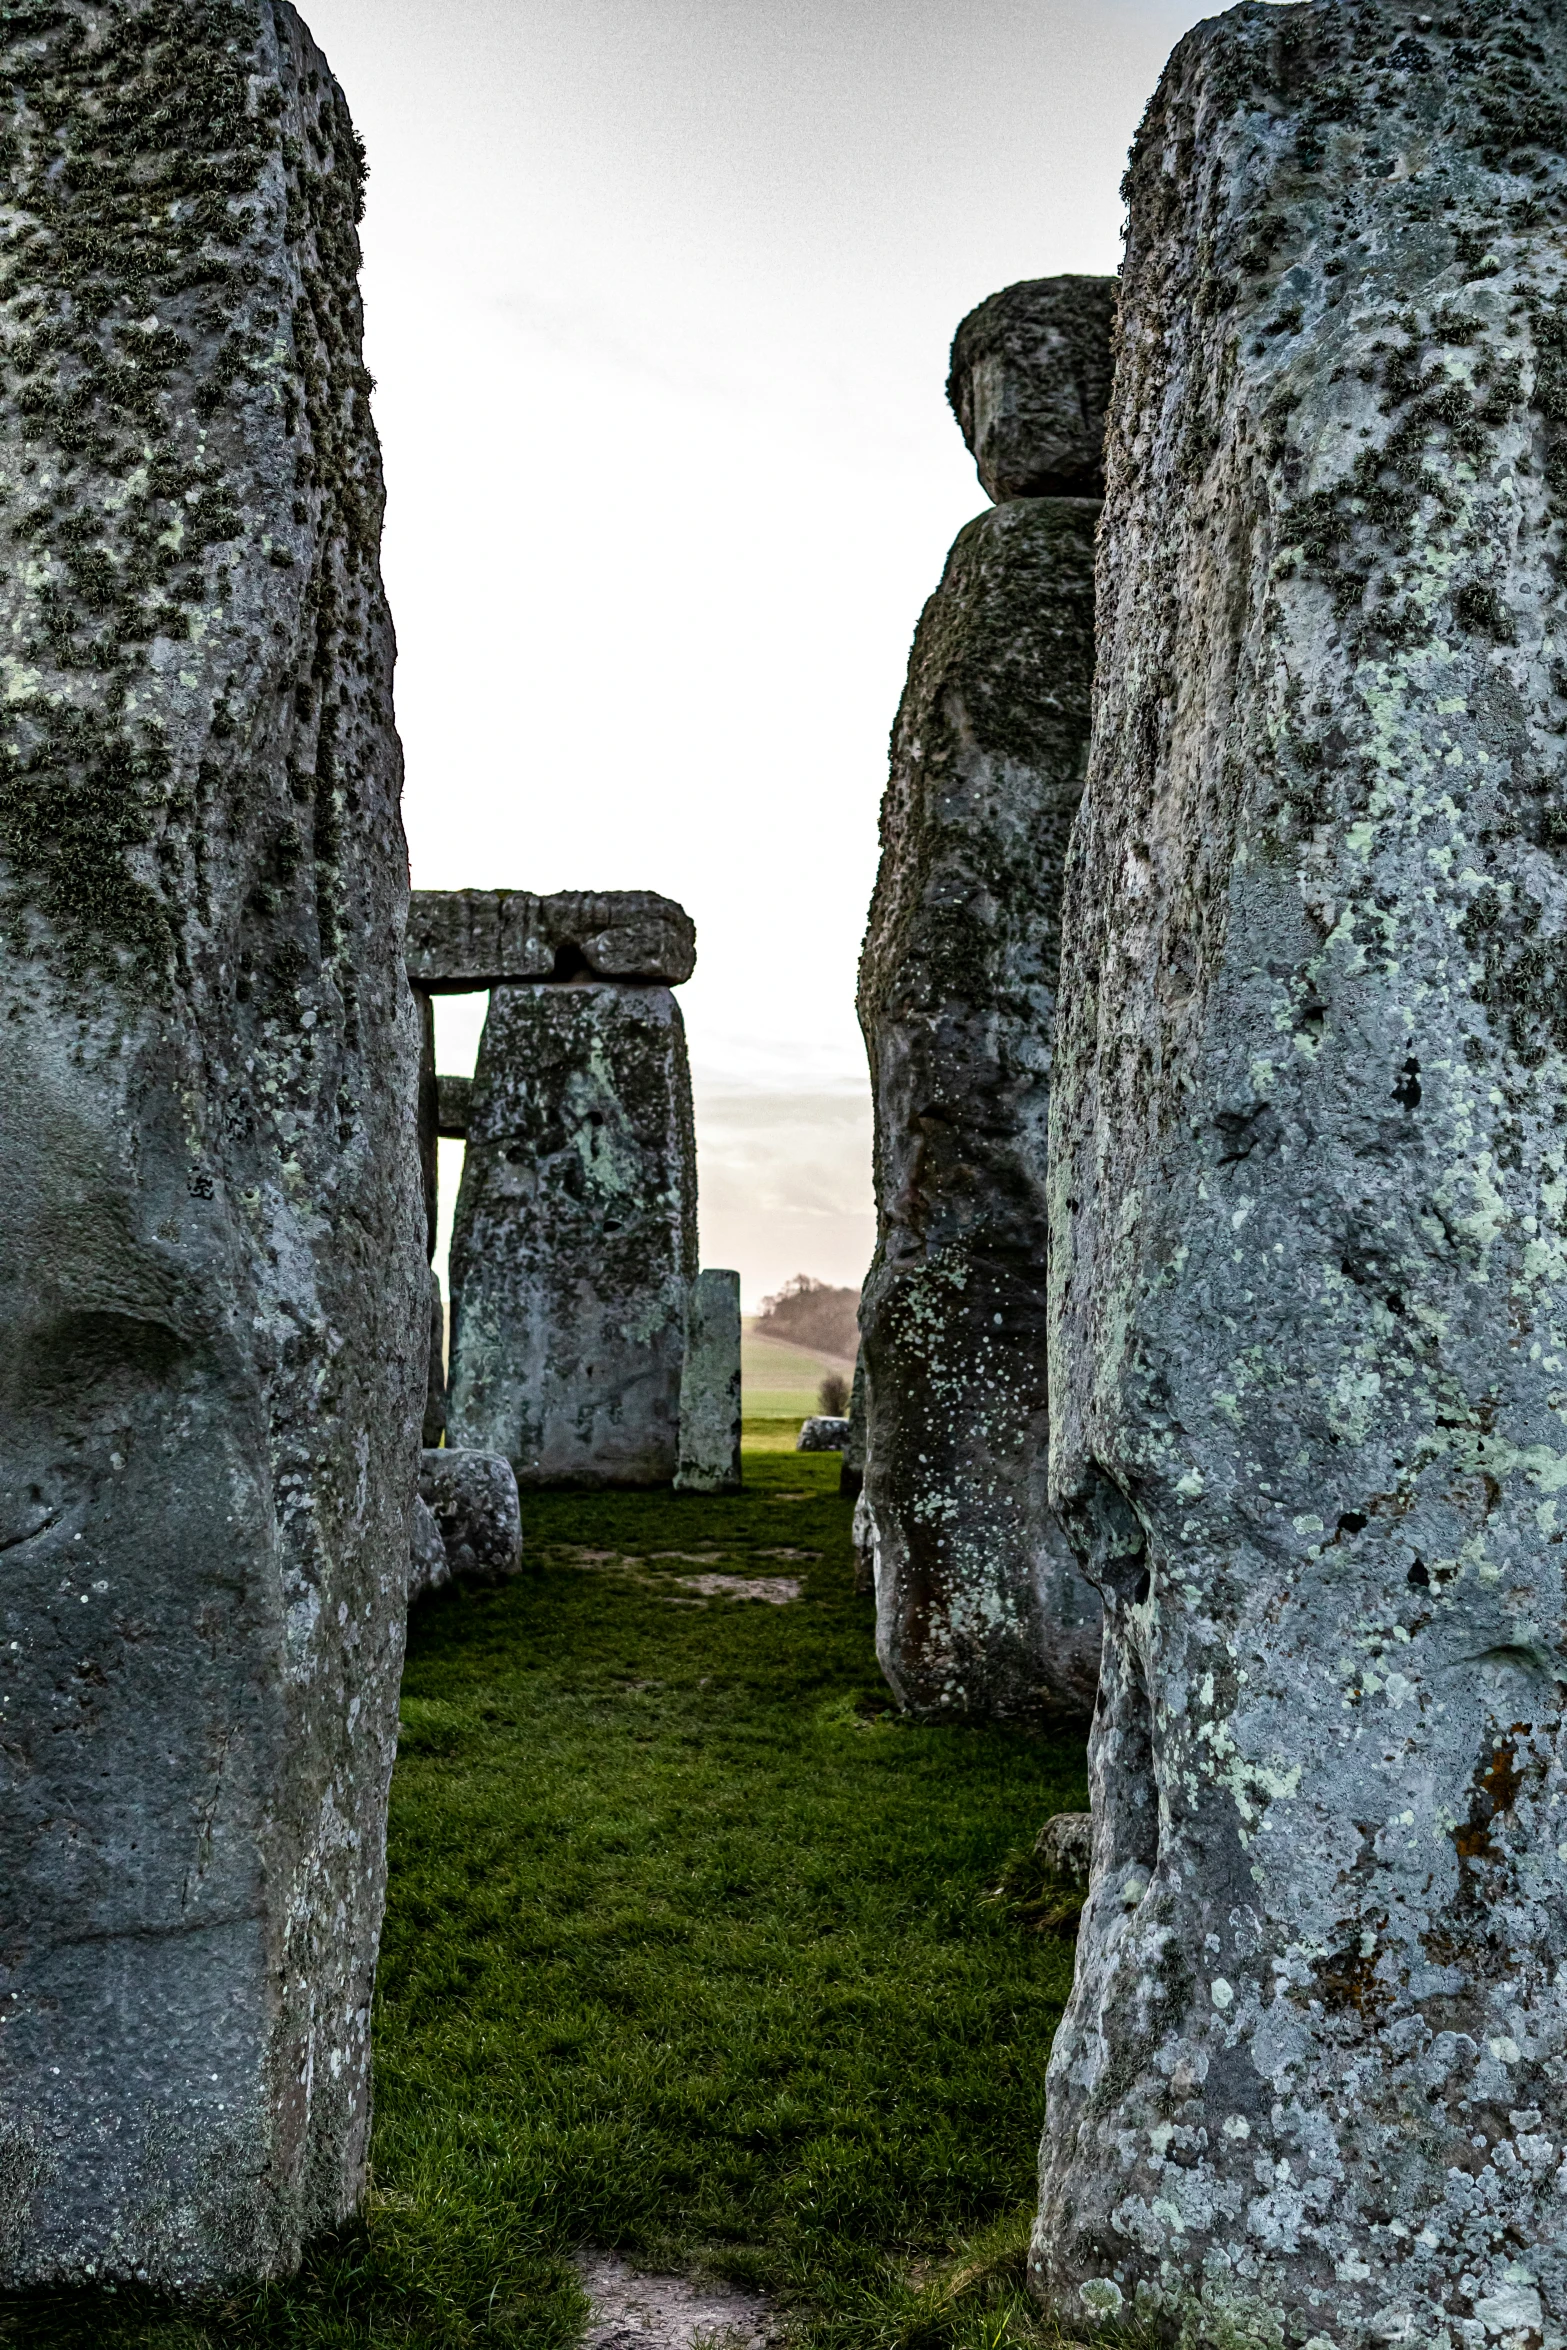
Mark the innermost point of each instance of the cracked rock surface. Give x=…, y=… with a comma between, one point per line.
x=1309, y=1205
x=212, y=1274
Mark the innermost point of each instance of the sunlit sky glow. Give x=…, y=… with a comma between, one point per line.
x=659, y=295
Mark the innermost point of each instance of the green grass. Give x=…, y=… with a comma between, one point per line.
x=687, y=1952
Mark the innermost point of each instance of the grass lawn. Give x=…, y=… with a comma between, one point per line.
x=687, y=1954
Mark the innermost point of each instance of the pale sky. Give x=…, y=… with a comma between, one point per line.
x=659, y=295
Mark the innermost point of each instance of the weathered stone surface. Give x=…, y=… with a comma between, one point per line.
x=710, y=1387
x=822, y=1433
x=454, y=1097
x=212, y=1271
x=463, y=939
x=1030, y=384
x=851, y=1472
x=1066, y=1843
x=435, y=1388
x=575, y=1237
x=473, y=1499
x=429, y=1569
x=1309, y=1173
x=981, y=1611
x=429, y=1119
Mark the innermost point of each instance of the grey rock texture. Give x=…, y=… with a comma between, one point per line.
x=464, y=939
x=429, y=1568
x=435, y=1385
x=454, y=1096
x=710, y=1387
x=822, y=1433
x=429, y=1118
x=1066, y=1842
x=1030, y=386
x=574, y=1240
x=851, y=1473
x=472, y=1497
x=1308, y=1231
x=212, y=1266
x=981, y=1610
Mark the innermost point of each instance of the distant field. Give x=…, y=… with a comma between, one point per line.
x=780, y=1381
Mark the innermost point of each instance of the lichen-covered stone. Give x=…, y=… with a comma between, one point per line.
x=981, y=1611
x=574, y=1240
x=822, y=1432
x=1309, y=1173
x=465, y=939
x=453, y=1097
x=473, y=1499
x=212, y=1273
x=710, y=1387
x=429, y=1568
x=851, y=1470
x=435, y=1385
x=1030, y=384
x=429, y=1117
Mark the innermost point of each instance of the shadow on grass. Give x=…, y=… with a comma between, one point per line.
x=686, y=1954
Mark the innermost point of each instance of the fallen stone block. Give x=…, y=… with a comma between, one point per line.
x=822, y=1433
x=710, y=1387
x=472, y=1497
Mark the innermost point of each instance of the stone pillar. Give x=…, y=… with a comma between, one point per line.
x=710, y=1387
x=981, y=1610
x=212, y=1277
x=1308, y=1174
x=435, y=1386
x=575, y=1235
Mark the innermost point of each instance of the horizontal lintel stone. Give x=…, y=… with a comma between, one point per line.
x=462, y=940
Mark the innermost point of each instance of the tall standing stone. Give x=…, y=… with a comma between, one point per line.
x=710, y=1387
x=212, y=1280
x=574, y=1240
x=1309, y=1169
x=981, y=1610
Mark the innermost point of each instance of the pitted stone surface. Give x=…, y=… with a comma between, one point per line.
x=822, y=1432
x=575, y=1237
x=1030, y=384
x=472, y=1497
x=435, y=1385
x=453, y=1098
x=1309, y=1173
x=710, y=1387
x=981, y=1611
x=464, y=939
x=212, y=1271
x=429, y=1568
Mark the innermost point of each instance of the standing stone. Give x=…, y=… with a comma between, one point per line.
x=981, y=1611
x=435, y=1385
x=212, y=1277
x=710, y=1387
x=1308, y=1238
x=575, y=1236
x=851, y=1473
x=1030, y=384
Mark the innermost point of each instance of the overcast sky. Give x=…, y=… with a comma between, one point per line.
x=659, y=295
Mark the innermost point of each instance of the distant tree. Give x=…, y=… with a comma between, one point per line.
x=832, y=1397
x=811, y=1313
